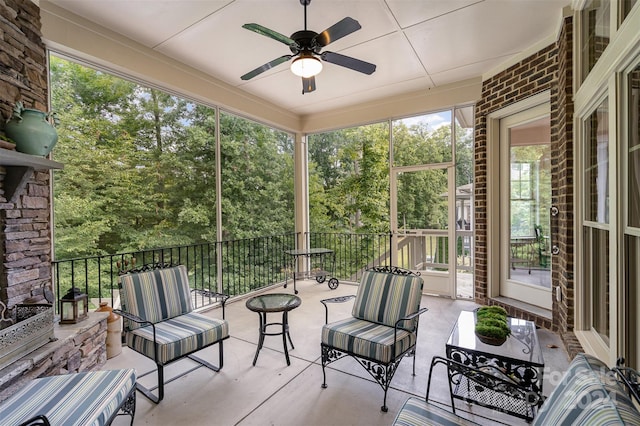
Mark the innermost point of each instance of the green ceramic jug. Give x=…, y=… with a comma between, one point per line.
x=31, y=131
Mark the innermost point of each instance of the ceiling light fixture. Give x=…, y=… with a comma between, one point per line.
x=306, y=66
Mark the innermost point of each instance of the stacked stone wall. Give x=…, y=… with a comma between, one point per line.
x=23, y=60
x=25, y=227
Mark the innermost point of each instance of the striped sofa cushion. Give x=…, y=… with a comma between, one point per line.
x=384, y=298
x=178, y=336
x=156, y=295
x=366, y=339
x=81, y=399
x=419, y=412
x=588, y=395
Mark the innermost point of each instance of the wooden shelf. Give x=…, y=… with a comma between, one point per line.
x=19, y=168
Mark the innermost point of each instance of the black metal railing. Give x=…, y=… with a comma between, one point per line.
x=245, y=265
x=254, y=263
x=233, y=267
x=354, y=252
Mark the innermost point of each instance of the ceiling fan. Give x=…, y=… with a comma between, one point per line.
x=305, y=46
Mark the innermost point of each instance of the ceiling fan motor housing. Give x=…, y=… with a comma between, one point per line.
x=305, y=41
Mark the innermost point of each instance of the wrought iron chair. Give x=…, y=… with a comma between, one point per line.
x=159, y=322
x=383, y=327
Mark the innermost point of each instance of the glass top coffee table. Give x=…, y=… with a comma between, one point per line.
x=519, y=360
x=274, y=302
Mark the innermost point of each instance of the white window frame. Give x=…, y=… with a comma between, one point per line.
x=604, y=79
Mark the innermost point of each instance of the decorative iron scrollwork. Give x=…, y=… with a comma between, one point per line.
x=521, y=374
x=129, y=405
x=393, y=270
x=148, y=267
x=381, y=373
x=507, y=386
x=331, y=354
x=3, y=318
x=339, y=299
x=525, y=336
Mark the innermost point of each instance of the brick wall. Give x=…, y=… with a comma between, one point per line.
x=563, y=225
x=549, y=69
x=533, y=75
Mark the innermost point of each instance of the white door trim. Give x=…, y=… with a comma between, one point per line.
x=493, y=187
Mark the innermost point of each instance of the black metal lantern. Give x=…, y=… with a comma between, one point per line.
x=73, y=307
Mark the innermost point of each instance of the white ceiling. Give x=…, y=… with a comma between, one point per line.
x=415, y=44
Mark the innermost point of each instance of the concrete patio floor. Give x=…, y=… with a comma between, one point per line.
x=272, y=393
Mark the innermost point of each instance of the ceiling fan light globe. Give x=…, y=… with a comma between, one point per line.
x=306, y=66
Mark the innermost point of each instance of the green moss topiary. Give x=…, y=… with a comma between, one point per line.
x=485, y=310
x=491, y=323
x=490, y=331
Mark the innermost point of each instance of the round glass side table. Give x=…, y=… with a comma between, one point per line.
x=274, y=302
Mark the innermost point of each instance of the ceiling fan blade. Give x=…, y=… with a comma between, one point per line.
x=337, y=31
x=257, y=28
x=308, y=85
x=266, y=67
x=349, y=62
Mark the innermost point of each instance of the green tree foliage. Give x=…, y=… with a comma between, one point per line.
x=422, y=201
x=349, y=175
x=464, y=155
x=257, y=179
x=140, y=168
x=349, y=180
x=98, y=157
x=418, y=144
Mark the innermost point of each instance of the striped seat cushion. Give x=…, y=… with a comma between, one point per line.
x=156, y=295
x=81, y=399
x=178, y=336
x=366, y=339
x=588, y=395
x=384, y=298
x=418, y=412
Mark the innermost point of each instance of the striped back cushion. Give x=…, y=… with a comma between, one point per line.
x=384, y=298
x=156, y=295
x=588, y=395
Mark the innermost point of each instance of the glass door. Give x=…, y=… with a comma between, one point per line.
x=525, y=202
x=424, y=240
x=422, y=212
